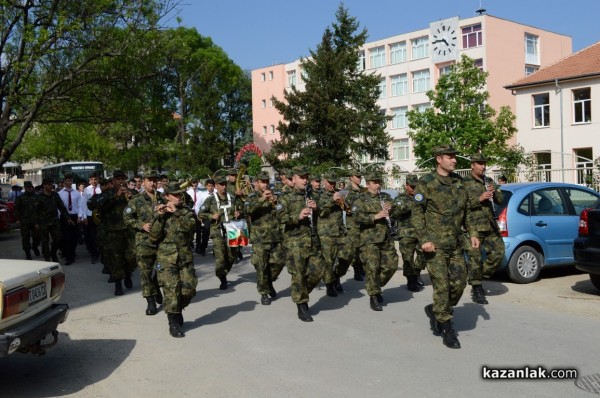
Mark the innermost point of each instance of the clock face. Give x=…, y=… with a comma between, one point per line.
x=444, y=40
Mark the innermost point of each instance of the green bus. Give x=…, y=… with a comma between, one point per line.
x=81, y=171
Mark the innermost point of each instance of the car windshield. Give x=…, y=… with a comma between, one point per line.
x=505, y=198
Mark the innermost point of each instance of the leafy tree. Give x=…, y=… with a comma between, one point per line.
x=53, y=52
x=460, y=115
x=336, y=119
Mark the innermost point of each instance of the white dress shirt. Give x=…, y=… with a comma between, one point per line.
x=88, y=192
x=76, y=208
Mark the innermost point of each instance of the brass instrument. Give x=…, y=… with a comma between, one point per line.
x=240, y=182
x=96, y=216
x=342, y=203
x=392, y=231
x=310, y=217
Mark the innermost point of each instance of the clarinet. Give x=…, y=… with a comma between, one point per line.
x=491, y=199
x=391, y=230
x=310, y=217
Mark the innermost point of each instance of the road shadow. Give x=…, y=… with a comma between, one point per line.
x=466, y=316
x=66, y=369
x=326, y=303
x=586, y=287
x=220, y=315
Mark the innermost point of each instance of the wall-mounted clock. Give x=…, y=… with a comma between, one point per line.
x=444, y=40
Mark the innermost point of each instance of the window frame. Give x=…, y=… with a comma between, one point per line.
x=401, y=152
x=472, y=34
x=399, y=119
x=398, y=52
x=585, y=104
x=416, y=79
x=399, y=85
x=377, y=57
x=419, y=45
x=545, y=111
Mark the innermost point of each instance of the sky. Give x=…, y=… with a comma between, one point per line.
x=260, y=33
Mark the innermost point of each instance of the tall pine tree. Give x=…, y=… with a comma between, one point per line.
x=335, y=121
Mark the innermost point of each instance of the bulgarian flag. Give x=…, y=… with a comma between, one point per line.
x=237, y=233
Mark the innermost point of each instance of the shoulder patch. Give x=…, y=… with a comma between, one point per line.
x=419, y=197
x=354, y=208
x=128, y=210
x=279, y=206
x=203, y=207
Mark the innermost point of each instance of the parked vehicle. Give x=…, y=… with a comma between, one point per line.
x=586, y=247
x=29, y=308
x=538, y=222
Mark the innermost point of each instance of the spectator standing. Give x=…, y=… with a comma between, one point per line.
x=69, y=223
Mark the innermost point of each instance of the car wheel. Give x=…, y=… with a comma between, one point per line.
x=525, y=265
x=595, y=280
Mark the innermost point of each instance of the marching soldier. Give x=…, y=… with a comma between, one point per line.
x=444, y=201
x=353, y=229
x=267, y=247
x=234, y=191
x=304, y=263
x=485, y=193
x=26, y=213
x=372, y=211
x=50, y=205
x=172, y=228
x=216, y=210
x=406, y=205
x=138, y=216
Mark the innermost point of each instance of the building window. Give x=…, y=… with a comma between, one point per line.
x=530, y=69
x=420, y=81
x=399, y=85
x=472, y=36
x=479, y=64
x=377, y=57
x=421, y=107
x=541, y=110
x=270, y=75
x=263, y=104
x=399, y=117
x=532, y=54
x=361, y=60
x=582, y=105
x=397, y=53
x=270, y=103
x=382, y=88
x=291, y=78
x=272, y=129
x=420, y=47
x=264, y=130
x=401, y=150
x=444, y=70
x=263, y=77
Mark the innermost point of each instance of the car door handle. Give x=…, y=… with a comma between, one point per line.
x=540, y=224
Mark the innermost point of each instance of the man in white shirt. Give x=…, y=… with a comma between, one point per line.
x=68, y=225
x=204, y=230
x=90, y=227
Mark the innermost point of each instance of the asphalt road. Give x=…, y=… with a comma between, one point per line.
x=235, y=347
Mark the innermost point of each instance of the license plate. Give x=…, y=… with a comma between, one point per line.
x=37, y=293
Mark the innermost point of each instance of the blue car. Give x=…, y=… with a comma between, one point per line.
x=538, y=222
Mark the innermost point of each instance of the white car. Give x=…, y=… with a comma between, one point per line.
x=29, y=291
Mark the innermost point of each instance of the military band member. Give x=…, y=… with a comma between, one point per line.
x=372, y=211
x=26, y=213
x=50, y=206
x=218, y=209
x=484, y=221
x=353, y=229
x=138, y=216
x=445, y=212
x=408, y=243
x=267, y=248
x=295, y=212
x=172, y=228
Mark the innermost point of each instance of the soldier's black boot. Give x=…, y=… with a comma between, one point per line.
x=179, y=318
x=151, y=308
x=449, y=335
x=478, y=294
x=337, y=285
x=174, y=326
x=118, y=288
x=303, y=314
x=28, y=254
x=375, y=304
x=128, y=281
x=412, y=283
x=433, y=323
x=36, y=251
x=223, y=285
x=357, y=274
x=158, y=297
x=419, y=281
x=330, y=290
x=272, y=291
x=265, y=299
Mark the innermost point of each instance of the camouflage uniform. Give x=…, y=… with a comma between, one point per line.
x=303, y=259
x=444, y=204
x=265, y=234
x=50, y=205
x=224, y=254
x=140, y=211
x=26, y=212
x=174, y=259
x=377, y=249
x=352, y=239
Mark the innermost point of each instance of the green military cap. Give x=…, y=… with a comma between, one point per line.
x=331, y=177
x=354, y=172
x=119, y=173
x=151, y=173
x=28, y=184
x=443, y=150
x=373, y=176
x=263, y=175
x=174, y=188
x=231, y=171
x=412, y=180
x=479, y=158
x=300, y=170
x=286, y=172
x=220, y=179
